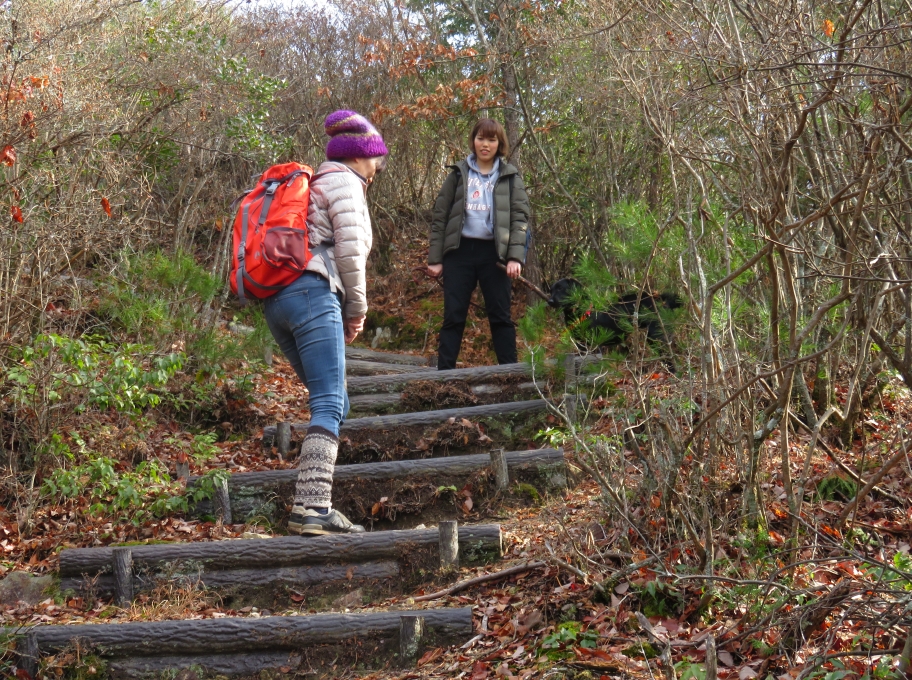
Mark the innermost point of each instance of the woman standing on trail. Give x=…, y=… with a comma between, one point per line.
x=324, y=308
x=480, y=221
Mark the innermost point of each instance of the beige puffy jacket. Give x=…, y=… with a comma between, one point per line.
x=338, y=212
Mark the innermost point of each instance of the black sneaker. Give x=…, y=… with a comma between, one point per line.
x=312, y=523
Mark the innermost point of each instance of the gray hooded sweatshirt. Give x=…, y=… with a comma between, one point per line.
x=479, y=208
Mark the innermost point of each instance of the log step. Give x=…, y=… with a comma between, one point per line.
x=440, y=468
x=384, y=357
x=246, y=567
x=247, y=646
x=360, y=367
x=394, y=383
x=369, y=384
x=383, y=401
x=266, y=493
x=398, y=420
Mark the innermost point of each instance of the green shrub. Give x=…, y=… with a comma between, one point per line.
x=201, y=448
x=134, y=495
x=837, y=487
x=102, y=374
x=167, y=301
x=660, y=599
x=54, y=378
x=558, y=645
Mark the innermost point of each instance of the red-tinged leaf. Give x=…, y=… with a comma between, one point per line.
x=16, y=213
x=480, y=671
x=8, y=155
x=831, y=531
x=106, y=205
x=376, y=509
x=584, y=653
x=430, y=656
x=23, y=674
x=828, y=28
x=27, y=119
x=218, y=225
x=297, y=598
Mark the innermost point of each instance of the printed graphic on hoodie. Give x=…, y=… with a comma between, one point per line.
x=480, y=187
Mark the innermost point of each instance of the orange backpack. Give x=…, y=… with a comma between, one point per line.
x=271, y=249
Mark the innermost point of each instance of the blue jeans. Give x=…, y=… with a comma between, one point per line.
x=306, y=321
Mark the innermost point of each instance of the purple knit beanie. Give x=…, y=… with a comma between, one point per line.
x=352, y=136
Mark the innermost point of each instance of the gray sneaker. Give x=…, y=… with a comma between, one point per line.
x=312, y=523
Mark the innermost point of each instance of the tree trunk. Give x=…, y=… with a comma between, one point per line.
x=511, y=107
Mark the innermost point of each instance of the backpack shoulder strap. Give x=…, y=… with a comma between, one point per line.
x=322, y=250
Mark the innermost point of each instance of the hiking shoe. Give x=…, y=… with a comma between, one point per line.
x=312, y=523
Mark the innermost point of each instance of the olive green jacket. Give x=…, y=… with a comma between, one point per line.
x=511, y=214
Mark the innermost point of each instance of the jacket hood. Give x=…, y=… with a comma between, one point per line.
x=472, y=162
x=335, y=166
x=506, y=169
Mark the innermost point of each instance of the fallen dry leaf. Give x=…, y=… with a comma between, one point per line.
x=430, y=656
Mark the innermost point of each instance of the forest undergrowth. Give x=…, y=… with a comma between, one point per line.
x=642, y=567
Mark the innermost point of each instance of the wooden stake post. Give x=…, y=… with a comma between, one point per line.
x=449, y=545
x=411, y=630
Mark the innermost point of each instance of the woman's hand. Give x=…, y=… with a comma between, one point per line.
x=435, y=270
x=514, y=269
x=353, y=326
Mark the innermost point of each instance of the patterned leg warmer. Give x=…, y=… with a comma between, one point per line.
x=315, y=469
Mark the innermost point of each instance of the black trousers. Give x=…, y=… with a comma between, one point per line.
x=474, y=263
